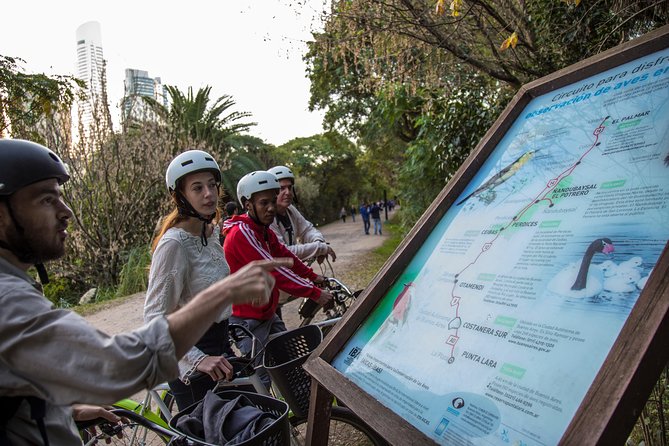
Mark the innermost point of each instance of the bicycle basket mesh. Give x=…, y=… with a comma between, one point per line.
x=283, y=359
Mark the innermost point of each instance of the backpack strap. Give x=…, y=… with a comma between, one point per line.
x=8, y=407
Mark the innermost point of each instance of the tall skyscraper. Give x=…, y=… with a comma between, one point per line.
x=90, y=68
x=138, y=84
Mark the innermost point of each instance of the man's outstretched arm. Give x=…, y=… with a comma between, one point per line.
x=251, y=284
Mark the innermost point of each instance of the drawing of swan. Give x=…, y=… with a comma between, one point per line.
x=608, y=268
x=642, y=282
x=579, y=280
x=624, y=282
x=631, y=266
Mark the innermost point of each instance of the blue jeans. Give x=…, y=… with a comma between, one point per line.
x=366, y=224
x=377, y=225
x=262, y=330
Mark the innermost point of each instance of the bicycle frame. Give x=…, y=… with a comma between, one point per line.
x=144, y=408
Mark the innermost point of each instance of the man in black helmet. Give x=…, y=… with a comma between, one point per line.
x=52, y=358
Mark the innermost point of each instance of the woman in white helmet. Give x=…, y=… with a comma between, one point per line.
x=187, y=258
x=248, y=238
x=293, y=230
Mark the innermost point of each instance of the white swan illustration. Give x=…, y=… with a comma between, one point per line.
x=631, y=266
x=624, y=282
x=642, y=282
x=579, y=281
x=608, y=268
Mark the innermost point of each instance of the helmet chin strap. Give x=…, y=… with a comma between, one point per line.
x=254, y=215
x=257, y=221
x=187, y=210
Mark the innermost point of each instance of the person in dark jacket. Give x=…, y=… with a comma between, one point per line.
x=375, y=213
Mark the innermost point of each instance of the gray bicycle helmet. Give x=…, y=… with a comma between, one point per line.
x=253, y=182
x=188, y=162
x=23, y=163
x=282, y=172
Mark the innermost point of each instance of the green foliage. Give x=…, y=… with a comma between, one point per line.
x=245, y=154
x=105, y=293
x=328, y=161
x=309, y=194
x=63, y=292
x=134, y=276
x=117, y=193
x=194, y=121
x=194, y=118
x=26, y=100
x=389, y=246
x=448, y=131
x=418, y=97
x=652, y=427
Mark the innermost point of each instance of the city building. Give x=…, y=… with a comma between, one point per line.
x=90, y=69
x=138, y=84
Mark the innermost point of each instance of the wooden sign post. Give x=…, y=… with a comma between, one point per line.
x=530, y=303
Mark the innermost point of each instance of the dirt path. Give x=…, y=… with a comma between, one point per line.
x=347, y=239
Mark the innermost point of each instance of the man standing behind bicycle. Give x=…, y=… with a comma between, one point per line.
x=248, y=238
x=292, y=229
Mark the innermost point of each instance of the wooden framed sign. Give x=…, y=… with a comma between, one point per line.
x=529, y=305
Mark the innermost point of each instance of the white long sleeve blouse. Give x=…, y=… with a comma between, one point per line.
x=181, y=267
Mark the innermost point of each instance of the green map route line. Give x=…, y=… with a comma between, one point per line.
x=452, y=339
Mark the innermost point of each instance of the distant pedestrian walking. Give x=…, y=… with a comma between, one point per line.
x=375, y=213
x=364, y=213
x=353, y=213
x=342, y=214
x=231, y=209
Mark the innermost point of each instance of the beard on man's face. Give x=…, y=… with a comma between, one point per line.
x=29, y=249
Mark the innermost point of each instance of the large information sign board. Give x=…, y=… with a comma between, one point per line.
x=499, y=324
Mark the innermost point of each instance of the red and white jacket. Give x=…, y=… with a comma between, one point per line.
x=246, y=241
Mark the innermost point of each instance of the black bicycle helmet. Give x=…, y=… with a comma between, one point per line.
x=23, y=163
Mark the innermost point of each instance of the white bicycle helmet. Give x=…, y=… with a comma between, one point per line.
x=282, y=172
x=189, y=162
x=253, y=182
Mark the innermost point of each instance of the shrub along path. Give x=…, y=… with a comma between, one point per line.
x=353, y=249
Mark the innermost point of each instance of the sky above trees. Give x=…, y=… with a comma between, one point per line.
x=249, y=50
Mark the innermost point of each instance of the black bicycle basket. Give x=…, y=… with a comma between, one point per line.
x=275, y=434
x=283, y=359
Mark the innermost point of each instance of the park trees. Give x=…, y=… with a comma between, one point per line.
x=31, y=103
x=194, y=121
x=116, y=188
x=246, y=154
x=117, y=193
x=196, y=118
x=327, y=176
x=418, y=83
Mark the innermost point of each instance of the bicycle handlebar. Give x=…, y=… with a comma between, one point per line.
x=111, y=429
x=247, y=332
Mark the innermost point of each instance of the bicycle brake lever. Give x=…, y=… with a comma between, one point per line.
x=110, y=429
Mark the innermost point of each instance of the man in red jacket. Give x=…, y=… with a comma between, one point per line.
x=248, y=238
